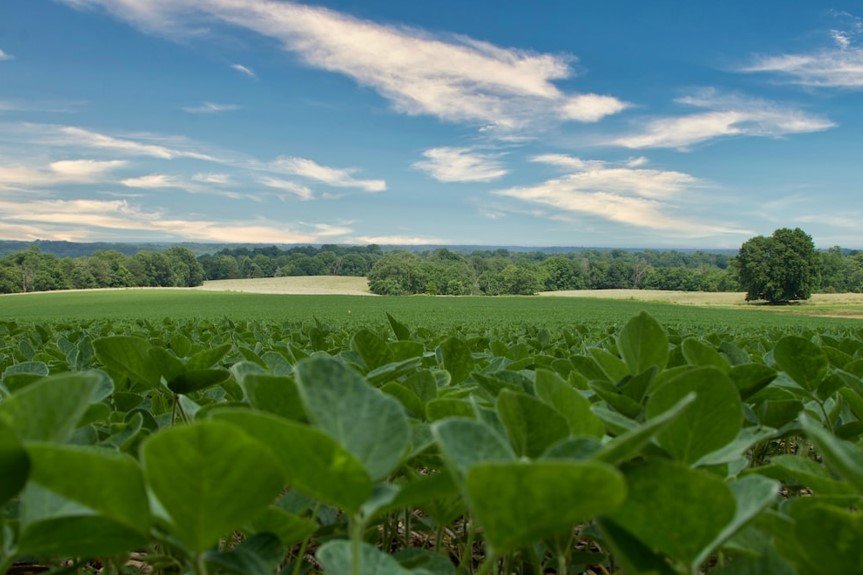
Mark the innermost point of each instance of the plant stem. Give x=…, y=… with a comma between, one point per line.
x=488, y=564
x=200, y=565
x=356, y=528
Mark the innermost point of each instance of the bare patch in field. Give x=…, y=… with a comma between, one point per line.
x=293, y=285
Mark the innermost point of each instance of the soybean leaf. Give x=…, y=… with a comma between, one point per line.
x=711, y=422
x=830, y=537
x=467, y=442
x=50, y=409
x=310, y=460
x=567, y=401
x=532, y=425
x=643, y=343
x=130, y=356
x=199, y=474
x=456, y=358
x=335, y=557
x=369, y=424
x=843, y=457
x=519, y=503
x=14, y=462
x=260, y=554
x=802, y=360
x=674, y=509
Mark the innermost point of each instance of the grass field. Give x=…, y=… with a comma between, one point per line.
x=426, y=311
x=843, y=305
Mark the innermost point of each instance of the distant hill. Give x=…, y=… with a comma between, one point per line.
x=78, y=249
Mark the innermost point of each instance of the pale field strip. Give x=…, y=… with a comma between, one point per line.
x=293, y=285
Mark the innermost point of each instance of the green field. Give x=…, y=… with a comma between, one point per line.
x=355, y=310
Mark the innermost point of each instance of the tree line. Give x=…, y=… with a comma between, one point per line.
x=447, y=272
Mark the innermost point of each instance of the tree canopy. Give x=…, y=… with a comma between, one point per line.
x=780, y=268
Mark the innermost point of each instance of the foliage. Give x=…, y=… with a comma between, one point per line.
x=233, y=446
x=778, y=269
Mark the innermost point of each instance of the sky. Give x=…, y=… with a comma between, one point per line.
x=550, y=123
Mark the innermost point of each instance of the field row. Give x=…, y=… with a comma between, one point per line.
x=257, y=447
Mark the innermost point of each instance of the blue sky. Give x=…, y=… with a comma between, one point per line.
x=590, y=123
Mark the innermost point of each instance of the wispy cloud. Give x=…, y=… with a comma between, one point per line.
x=211, y=108
x=461, y=165
x=59, y=172
x=618, y=194
x=298, y=190
x=454, y=78
x=74, y=137
x=4, y=56
x=99, y=219
x=725, y=116
x=838, y=66
x=337, y=177
x=244, y=70
x=399, y=240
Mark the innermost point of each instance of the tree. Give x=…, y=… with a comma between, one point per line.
x=780, y=268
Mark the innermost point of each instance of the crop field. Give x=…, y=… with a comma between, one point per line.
x=294, y=285
x=425, y=311
x=201, y=432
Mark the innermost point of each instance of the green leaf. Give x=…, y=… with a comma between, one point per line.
x=130, y=356
x=532, y=425
x=369, y=424
x=750, y=378
x=288, y=527
x=674, y=509
x=260, y=554
x=701, y=354
x=372, y=348
x=274, y=394
x=50, y=409
x=633, y=555
x=105, y=481
x=520, y=503
x=612, y=367
x=335, y=557
x=467, y=442
x=200, y=475
x=643, y=343
x=841, y=456
x=14, y=462
x=567, y=401
x=630, y=443
x=711, y=422
x=830, y=537
x=795, y=469
x=196, y=380
x=311, y=460
x=802, y=360
x=456, y=358
x=401, y=331
x=753, y=494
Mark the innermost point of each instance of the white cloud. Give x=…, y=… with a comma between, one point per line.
x=211, y=108
x=298, y=190
x=399, y=240
x=838, y=66
x=591, y=107
x=151, y=181
x=5, y=56
x=841, y=67
x=454, y=78
x=244, y=70
x=60, y=172
x=216, y=179
x=460, y=165
x=726, y=115
x=635, y=197
x=338, y=177
x=141, y=145
x=98, y=219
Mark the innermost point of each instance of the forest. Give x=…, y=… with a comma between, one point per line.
x=400, y=272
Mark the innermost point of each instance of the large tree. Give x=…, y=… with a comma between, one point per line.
x=780, y=268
